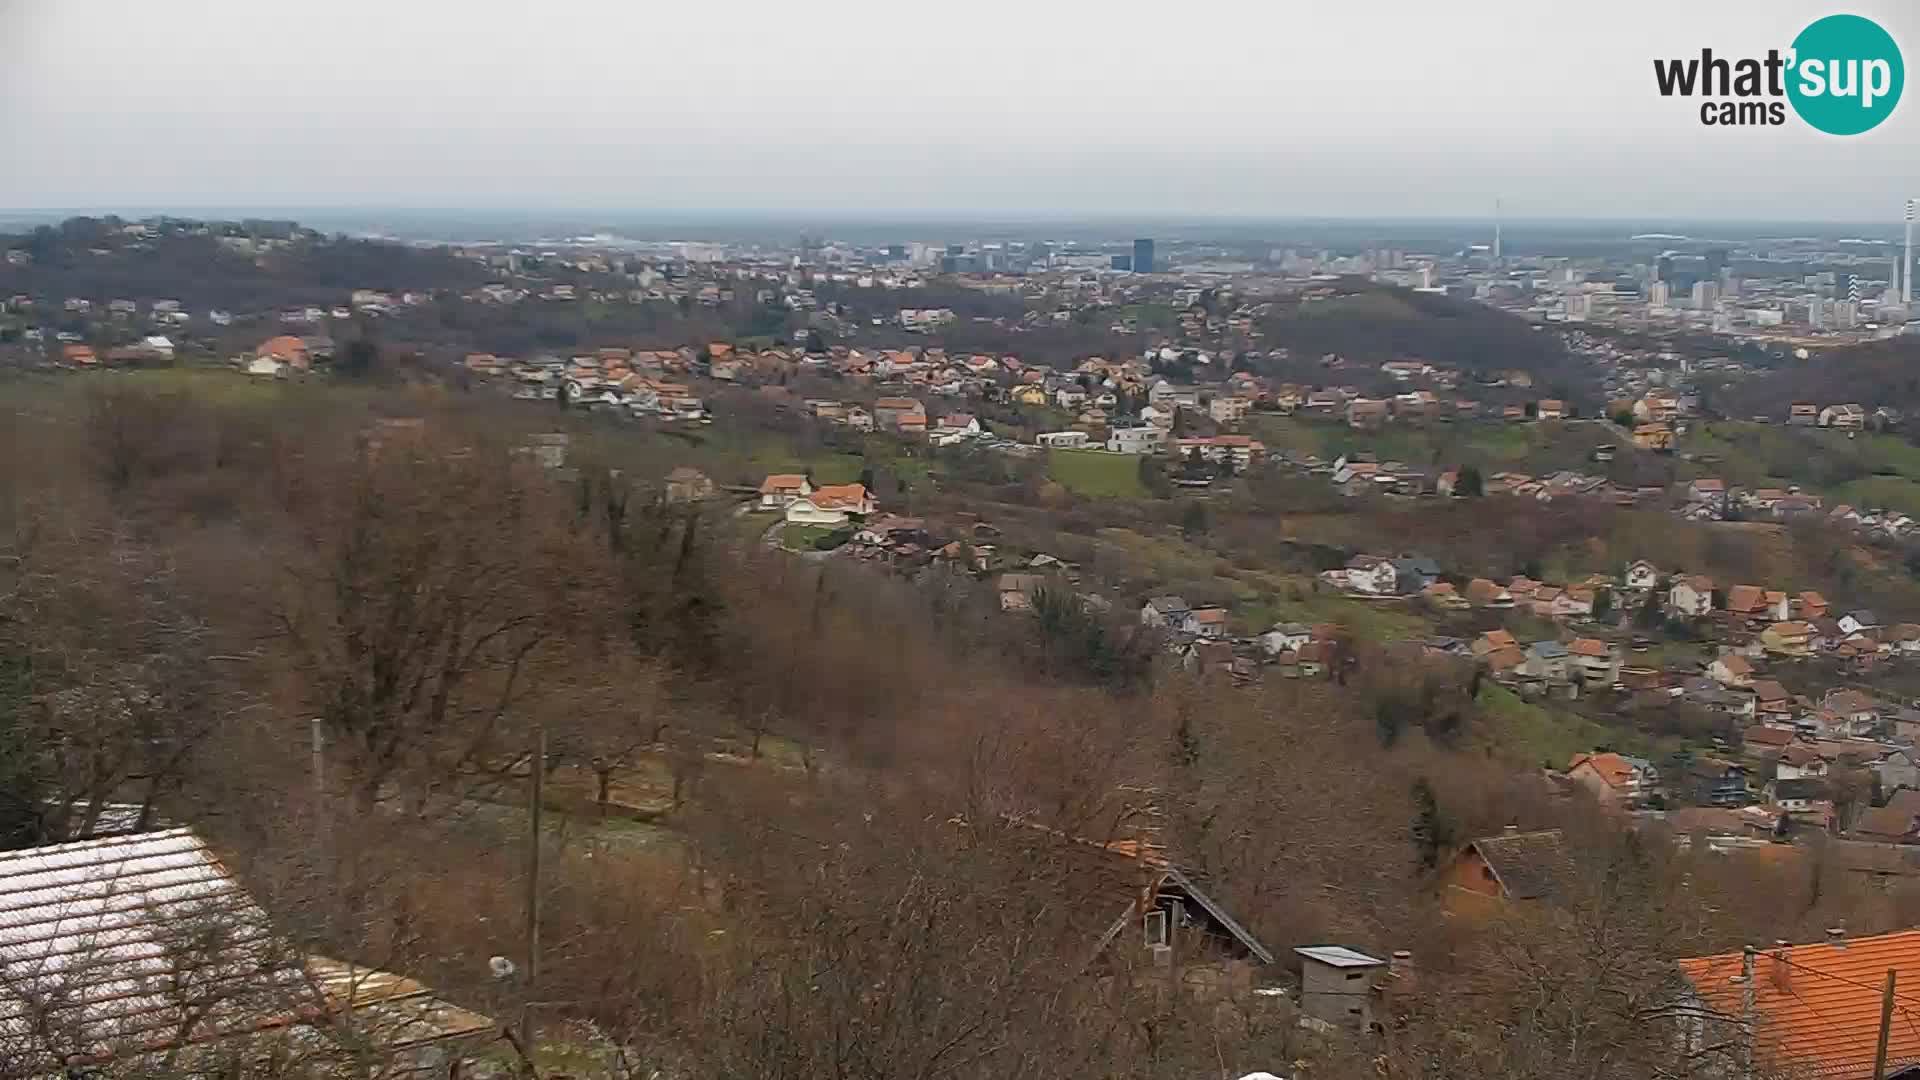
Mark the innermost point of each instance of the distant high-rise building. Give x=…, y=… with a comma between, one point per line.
x=1817, y=313
x=1143, y=256
x=1122, y=262
x=1660, y=295
x=1663, y=269
x=1846, y=315
x=1842, y=283
x=1706, y=295
x=1716, y=262
x=1906, y=263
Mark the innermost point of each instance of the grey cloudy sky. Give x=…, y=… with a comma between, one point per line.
x=1277, y=108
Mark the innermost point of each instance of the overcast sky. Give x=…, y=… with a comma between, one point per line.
x=1337, y=108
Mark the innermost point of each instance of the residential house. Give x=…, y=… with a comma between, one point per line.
x=1442, y=594
x=1487, y=594
x=1493, y=641
x=1848, y=417
x=1017, y=590
x=897, y=412
x=830, y=504
x=686, y=484
x=1803, y=414
x=1505, y=663
x=1164, y=612
x=1790, y=638
x=1546, y=660
x=1809, y=606
x=1285, y=637
x=1709, y=491
x=1798, y=761
x=1754, y=602
x=1817, y=1007
x=1902, y=637
x=1898, y=822
x=285, y=349
x=1690, y=595
x=1512, y=867
x=1062, y=440
x=1575, y=601
x=1655, y=436
x=1731, y=669
x=1715, y=782
x=1849, y=711
x=1413, y=573
x=1897, y=768
x=1859, y=621
x=1372, y=575
x=1761, y=740
x=1593, y=661
x=780, y=490
x=1772, y=702
x=1137, y=440
x=1366, y=413
x=1614, y=779
x=1550, y=409
x=142, y=954
x=1156, y=919
x=1206, y=622
x=1642, y=575
x=1228, y=411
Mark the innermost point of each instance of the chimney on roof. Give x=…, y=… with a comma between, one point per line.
x=1778, y=970
x=1837, y=937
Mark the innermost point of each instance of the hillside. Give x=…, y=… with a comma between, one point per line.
x=1881, y=373
x=1372, y=324
x=95, y=259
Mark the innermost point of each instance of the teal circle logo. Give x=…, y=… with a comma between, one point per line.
x=1846, y=75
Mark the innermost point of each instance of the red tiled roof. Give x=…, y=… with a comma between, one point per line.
x=1817, y=1007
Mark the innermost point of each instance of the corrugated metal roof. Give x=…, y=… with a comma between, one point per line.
x=129, y=945
x=1338, y=956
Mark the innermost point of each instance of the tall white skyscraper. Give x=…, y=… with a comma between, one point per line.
x=1906, y=267
x=1706, y=295
x=1660, y=295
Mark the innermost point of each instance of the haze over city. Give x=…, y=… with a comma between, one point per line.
x=1378, y=109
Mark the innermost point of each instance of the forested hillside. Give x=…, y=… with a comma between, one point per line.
x=812, y=821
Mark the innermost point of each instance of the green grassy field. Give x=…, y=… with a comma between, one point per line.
x=803, y=537
x=1542, y=735
x=1101, y=475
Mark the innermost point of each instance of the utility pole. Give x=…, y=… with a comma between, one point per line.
x=538, y=770
x=1886, y=1022
x=319, y=761
x=1746, y=1013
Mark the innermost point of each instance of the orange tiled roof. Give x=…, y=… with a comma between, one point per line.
x=835, y=496
x=776, y=483
x=1817, y=1007
x=1612, y=768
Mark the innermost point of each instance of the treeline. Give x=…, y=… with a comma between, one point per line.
x=85, y=258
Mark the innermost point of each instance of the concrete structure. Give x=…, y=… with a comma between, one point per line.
x=1336, y=985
